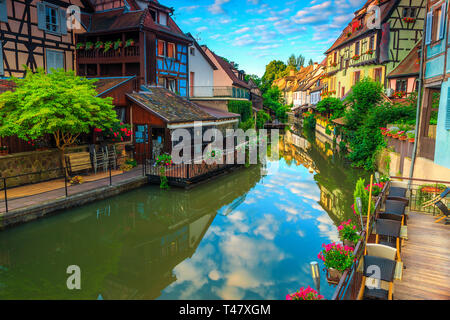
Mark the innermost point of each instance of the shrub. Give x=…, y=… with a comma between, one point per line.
x=261, y=118
x=361, y=192
x=244, y=108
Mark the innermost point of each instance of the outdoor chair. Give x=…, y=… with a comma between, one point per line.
x=379, y=269
x=437, y=199
x=99, y=159
x=389, y=231
x=445, y=212
x=394, y=210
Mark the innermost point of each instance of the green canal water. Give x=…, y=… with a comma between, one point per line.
x=248, y=235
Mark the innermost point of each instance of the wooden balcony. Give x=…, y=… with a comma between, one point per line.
x=122, y=55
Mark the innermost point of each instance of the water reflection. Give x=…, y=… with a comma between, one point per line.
x=243, y=236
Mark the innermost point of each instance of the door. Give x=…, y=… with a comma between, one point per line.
x=141, y=132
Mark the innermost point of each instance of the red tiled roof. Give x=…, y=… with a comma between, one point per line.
x=386, y=8
x=229, y=70
x=116, y=19
x=408, y=66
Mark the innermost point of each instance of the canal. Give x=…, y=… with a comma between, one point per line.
x=248, y=235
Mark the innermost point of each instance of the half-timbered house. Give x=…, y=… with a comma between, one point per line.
x=36, y=34
x=366, y=50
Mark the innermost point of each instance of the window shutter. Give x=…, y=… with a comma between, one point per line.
x=443, y=20
x=41, y=15
x=1, y=59
x=429, y=28
x=447, y=111
x=62, y=21
x=3, y=11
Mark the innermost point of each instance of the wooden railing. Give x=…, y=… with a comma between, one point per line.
x=350, y=282
x=131, y=51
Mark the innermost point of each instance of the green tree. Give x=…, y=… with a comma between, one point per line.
x=254, y=77
x=273, y=98
x=273, y=71
x=281, y=113
x=310, y=62
x=261, y=118
x=331, y=107
x=60, y=104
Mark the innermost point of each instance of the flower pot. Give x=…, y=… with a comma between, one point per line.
x=402, y=138
x=389, y=134
x=395, y=136
x=348, y=243
x=411, y=140
x=334, y=276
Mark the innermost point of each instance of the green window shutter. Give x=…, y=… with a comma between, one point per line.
x=447, y=111
x=62, y=21
x=443, y=20
x=3, y=11
x=429, y=28
x=41, y=16
x=2, y=71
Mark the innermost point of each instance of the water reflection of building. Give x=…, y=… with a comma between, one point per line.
x=294, y=148
x=176, y=239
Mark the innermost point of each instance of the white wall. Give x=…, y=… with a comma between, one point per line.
x=203, y=74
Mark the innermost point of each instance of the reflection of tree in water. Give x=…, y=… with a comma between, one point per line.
x=333, y=174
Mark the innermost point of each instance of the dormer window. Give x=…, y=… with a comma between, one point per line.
x=409, y=12
x=162, y=18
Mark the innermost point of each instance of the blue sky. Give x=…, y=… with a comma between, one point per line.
x=255, y=32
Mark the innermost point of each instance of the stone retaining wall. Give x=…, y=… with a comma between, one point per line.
x=36, y=161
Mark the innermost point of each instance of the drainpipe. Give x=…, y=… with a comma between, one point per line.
x=419, y=98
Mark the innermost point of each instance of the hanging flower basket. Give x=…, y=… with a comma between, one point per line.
x=409, y=19
x=118, y=44
x=108, y=46
x=334, y=276
x=80, y=46
x=356, y=57
x=369, y=52
x=411, y=140
x=337, y=258
x=89, y=46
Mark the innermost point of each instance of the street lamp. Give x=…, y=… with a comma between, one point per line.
x=315, y=274
x=359, y=205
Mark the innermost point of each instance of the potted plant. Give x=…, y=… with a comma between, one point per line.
x=129, y=43
x=76, y=180
x=369, y=52
x=89, y=46
x=384, y=131
x=99, y=45
x=402, y=135
x=356, y=57
x=349, y=34
x=376, y=190
x=394, y=132
x=118, y=44
x=337, y=258
x=411, y=136
x=80, y=46
x=305, y=294
x=164, y=161
x=108, y=46
x=363, y=194
x=349, y=234
x=126, y=167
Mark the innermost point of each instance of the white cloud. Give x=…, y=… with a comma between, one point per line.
x=216, y=7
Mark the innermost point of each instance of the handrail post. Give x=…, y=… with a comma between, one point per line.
x=65, y=182
x=110, y=177
x=6, y=195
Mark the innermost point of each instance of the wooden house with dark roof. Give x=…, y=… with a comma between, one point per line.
x=156, y=111
x=364, y=50
x=127, y=38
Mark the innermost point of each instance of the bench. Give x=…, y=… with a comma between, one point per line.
x=78, y=161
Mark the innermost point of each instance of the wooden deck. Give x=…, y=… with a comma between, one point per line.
x=426, y=256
